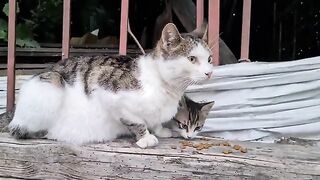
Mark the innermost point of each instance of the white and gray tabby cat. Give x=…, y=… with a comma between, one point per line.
x=99, y=98
x=190, y=117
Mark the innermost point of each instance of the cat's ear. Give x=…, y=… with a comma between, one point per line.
x=201, y=32
x=170, y=37
x=206, y=107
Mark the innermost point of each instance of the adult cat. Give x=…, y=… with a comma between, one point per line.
x=93, y=99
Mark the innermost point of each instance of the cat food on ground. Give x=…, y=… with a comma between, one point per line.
x=199, y=146
x=229, y=151
x=237, y=147
x=173, y=147
x=243, y=150
x=186, y=143
x=226, y=144
x=207, y=145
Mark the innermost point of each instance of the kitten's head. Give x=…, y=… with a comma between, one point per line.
x=184, y=56
x=191, y=117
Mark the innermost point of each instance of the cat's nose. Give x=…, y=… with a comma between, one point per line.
x=208, y=74
x=189, y=137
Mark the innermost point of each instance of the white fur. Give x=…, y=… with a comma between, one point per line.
x=70, y=115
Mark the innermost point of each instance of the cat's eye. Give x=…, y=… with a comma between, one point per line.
x=192, y=59
x=210, y=59
x=198, y=128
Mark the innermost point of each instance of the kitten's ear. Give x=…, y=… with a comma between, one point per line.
x=207, y=106
x=201, y=32
x=170, y=36
x=183, y=102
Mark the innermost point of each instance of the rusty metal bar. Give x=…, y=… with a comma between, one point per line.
x=11, y=55
x=200, y=12
x=213, y=28
x=124, y=27
x=245, y=37
x=66, y=29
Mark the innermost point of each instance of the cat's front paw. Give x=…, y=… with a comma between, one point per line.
x=163, y=132
x=148, y=140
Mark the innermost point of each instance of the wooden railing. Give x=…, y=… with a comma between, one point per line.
x=213, y=34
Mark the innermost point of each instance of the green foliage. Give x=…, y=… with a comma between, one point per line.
x=47, y=15
x=24, y=36
x=5, y=9
x=3, y=29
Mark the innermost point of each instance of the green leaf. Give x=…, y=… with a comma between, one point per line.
x=3, y=35
x=3, y=30
x=6, y=9
x=23, y=31
x=27, y=43
x=24, y=36
x=3, y=25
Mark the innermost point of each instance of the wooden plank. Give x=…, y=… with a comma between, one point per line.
x=11, y=54
x=200, y=12
x=245, y=37
x=121, y=159
x=56, y=52
x=124, y=27
x=26, y=66
x=66, y=29
x=213, y=29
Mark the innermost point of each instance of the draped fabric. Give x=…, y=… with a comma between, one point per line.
x=263, y=100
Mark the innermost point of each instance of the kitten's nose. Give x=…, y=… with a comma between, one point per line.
x=189, y=137
x=208, y=74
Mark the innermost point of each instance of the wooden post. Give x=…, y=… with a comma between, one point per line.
x=213, y=29
x=66, y=29
x=200, y=12
x=11, y=55
x=245, y=37
x=124, y=27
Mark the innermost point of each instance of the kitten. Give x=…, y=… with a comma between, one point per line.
x=190, y=117
x=95, y=99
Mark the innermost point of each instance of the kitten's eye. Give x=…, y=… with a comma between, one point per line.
x=210, y=59
x=192, y=59
x=185, y=126
x=198, y=128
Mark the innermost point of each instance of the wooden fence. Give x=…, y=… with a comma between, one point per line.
x=213, y=33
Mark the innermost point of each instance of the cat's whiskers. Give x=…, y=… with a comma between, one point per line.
x=183, y=83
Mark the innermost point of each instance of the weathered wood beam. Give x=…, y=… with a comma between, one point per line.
x=44, y=159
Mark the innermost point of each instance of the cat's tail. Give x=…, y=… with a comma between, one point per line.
x=5, y=119
x=18, y=133
x=22, y=133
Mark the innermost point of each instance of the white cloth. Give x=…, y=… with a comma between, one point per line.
x=258, y=99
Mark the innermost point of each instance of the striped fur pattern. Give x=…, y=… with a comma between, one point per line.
x=191, y=117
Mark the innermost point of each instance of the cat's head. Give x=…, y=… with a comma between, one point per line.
x=191, y=117
x=184, y=56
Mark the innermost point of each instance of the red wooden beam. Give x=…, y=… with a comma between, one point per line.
x=124, y=27
x=11, y=55
x=200, y=12
x=245, y=37
x=213, y=29
x=66, y=29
